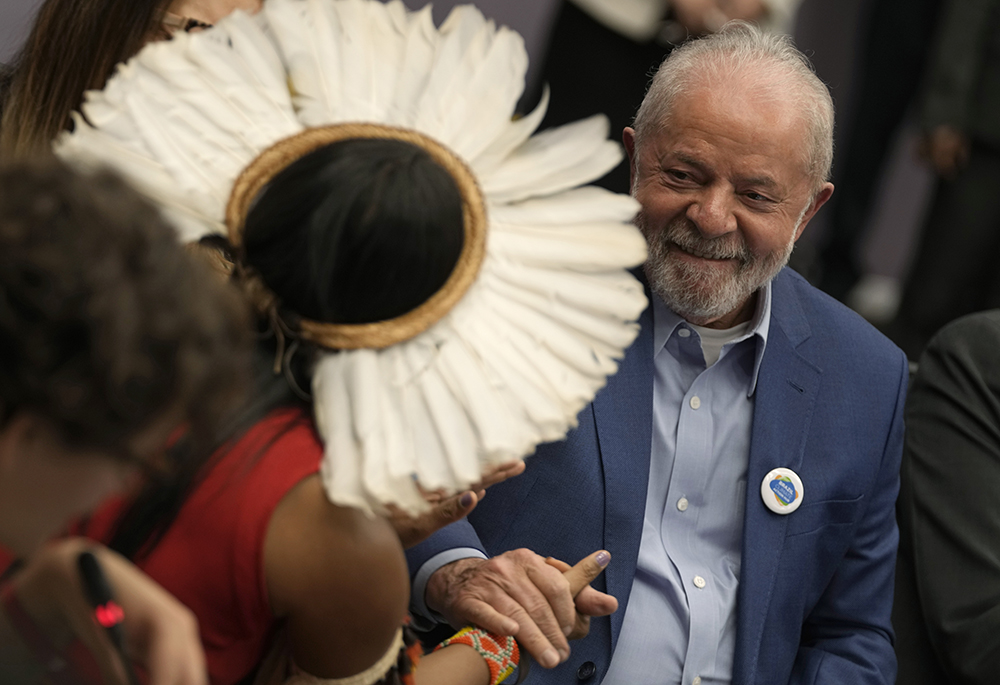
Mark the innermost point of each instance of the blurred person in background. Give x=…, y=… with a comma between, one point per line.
x=602, y=52
x=955, y=270
x=947, y=609
x=889, y=68
x=111, y=338
x=76, y=46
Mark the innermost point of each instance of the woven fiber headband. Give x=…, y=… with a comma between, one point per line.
x=379, y=334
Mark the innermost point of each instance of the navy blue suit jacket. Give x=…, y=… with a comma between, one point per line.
x=816, y=586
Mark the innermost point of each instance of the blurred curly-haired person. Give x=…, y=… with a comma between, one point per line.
x=114, y=341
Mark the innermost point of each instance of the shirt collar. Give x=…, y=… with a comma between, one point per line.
x=665, y=321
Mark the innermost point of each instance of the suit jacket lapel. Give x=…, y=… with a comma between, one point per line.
x=623, y=417
x=786, y=392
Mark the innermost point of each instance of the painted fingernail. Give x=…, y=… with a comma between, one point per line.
x=602, y=559
x=550, y=659
x=466, y=500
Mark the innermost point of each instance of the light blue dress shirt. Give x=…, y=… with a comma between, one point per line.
x=680, y=623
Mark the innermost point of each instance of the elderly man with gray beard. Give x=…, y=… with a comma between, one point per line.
x=742, y=466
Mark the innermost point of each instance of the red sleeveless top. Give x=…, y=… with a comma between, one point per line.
x=212, y=557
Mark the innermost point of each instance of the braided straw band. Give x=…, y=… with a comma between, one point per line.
x=377, y=334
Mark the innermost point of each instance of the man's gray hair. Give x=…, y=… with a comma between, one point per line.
x=769, y=60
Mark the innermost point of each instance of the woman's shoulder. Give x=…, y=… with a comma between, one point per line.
x=324, y=563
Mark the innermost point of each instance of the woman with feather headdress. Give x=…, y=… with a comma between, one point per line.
x=438, y=295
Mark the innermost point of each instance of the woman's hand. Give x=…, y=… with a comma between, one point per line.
x=589, y=602
x=161, y=634
x=447, y=510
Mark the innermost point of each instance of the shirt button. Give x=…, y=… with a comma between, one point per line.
x=699, y=582
x=684, y=333
x=695, y=402
x=697, y=680
x=682, y=504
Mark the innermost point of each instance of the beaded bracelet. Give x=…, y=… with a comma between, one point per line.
x=500, y=651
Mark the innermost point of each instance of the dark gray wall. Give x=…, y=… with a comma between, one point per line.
x=15, y=19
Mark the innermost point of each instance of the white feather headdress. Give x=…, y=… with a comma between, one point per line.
x=553, y=307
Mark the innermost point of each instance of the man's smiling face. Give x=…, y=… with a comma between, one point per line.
x=725, y=194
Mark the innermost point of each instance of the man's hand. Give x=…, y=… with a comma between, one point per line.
x=518, y=593
x=747, y=10
x=161, y=634
x=699, y=16
x=447, y=510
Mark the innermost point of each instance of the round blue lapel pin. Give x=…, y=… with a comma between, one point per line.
x=782, y=491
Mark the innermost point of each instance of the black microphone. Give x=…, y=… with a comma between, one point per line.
x=107, y=612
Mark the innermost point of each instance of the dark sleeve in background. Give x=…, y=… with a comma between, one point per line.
x=959, y=55
x=6, y=74
x=947, y=607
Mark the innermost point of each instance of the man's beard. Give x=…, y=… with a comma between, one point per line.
x=701, y=295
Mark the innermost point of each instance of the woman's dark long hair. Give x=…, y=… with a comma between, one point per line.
x=357, y=231
x=74, y=46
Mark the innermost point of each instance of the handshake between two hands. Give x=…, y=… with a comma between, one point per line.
x=542, y=602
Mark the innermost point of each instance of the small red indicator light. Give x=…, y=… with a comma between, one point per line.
x=109, y=615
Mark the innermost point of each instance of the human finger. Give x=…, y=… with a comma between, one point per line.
x=414, y=529
x=589, y=602
x=515, y=583
x=586, y=570
x=497, y=609
x=485, y=616
x=549, y=603
x=460, y=589
x=500, y=473
x=593, y=602
x=558, y=564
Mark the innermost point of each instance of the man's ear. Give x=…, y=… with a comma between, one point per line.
x=818, y=201
x=628, y=139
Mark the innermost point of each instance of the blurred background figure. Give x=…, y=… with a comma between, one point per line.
x=947, y=609
x=111, y=338
x=73, y=47
x=894, y=37
x=955, y=270
x=601, y=53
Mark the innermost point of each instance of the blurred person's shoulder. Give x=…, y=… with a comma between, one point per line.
x=975, y=337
